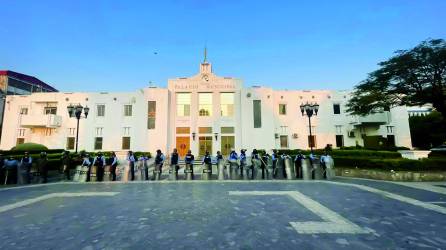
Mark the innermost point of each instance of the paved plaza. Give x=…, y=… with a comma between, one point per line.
x=340, y=214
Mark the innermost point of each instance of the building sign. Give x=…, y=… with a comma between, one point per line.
x=209, y=86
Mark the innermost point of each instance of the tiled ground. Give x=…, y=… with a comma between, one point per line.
x=204, y=215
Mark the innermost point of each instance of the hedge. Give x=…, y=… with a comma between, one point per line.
x=29, y=147
x=437, y=154
x=350, y=153
x=391, y=164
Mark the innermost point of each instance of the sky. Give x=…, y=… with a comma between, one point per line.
x=126, y=45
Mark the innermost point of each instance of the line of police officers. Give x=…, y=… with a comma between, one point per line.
x=237, y=166
x=13, y=171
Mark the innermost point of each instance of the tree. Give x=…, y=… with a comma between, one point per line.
x=412, y=77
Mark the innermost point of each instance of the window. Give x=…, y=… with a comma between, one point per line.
x=126, y=142
x=183, y=104
x=227, y=130
x=284, y=141
x=128, y=110
x=126, y=131
x=205, y=130
x=205, y=104
x=20, y=141
x=70, y=143
x=339, y=141
x=50, y=110
x=338, y=129
x=183, y=130
x=389, y=129
x=257, y=113
x=151, y=115
x=48, y=131
x=283, y=129
x=99, y=131
x=282, y=109
x=98, y=143
x=100, y=110
x=336, y=109
x=71, y=131
x=312, y=141
x=227, y=104
x=23, y=111
x=21, y=132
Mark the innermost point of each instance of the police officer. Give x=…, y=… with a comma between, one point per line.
x=233, y=155
x=113, y=164
x=144, y=169
x=189, y=161
x=87, y=163
x=11, y=168
x=219, y=156
x=207, y=158
x=243, y=164
x=298, y=164
x=283, y=157
x=66, y=162
x=324, y=159
x=25, y=168
x=207, y=162
x=265, y=159
x=255, y=156
x=99, y=162
x=42, y=164
x=233, y=166
x=174, y=160
x=274, y=158
x=132, y=160
x=159, y=160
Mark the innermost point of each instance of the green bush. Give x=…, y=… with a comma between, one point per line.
x=350, y=153
x=390, y=164
x=29, y=147
x=437, y=154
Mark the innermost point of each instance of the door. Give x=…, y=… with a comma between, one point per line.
x=227, y=142
x=183, y=145
x=205, y=144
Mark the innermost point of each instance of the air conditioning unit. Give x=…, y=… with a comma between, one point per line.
x=295, y=136
x=276, y=135
x=351, y=133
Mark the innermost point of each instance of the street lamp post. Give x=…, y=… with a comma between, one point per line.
x=309, y=109
x=76, y=111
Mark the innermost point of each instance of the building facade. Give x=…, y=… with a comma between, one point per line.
x=13, y=83
x=202, y=112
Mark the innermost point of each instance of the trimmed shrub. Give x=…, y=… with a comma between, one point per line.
x=349, y=153
x=29, y=147
x=437, y=154
x=391, y=164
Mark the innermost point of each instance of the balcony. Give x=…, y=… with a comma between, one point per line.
x=371, y=120
x=41, y=121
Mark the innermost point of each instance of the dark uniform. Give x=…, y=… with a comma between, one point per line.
x=113, y=162
x=26, y=164
x=42, y=164
x=131, y=158
x=274, y=158
x=66, y=162
x=189, y=159
x=298, y=165
x=174, y=161
x=99, y=162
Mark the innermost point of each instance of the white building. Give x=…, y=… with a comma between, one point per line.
x=202, y=112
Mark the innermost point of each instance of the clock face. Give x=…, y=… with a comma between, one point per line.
x=205, y=77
